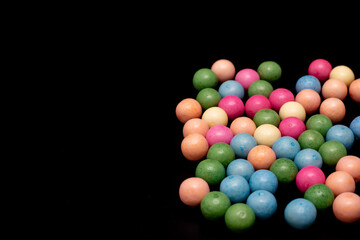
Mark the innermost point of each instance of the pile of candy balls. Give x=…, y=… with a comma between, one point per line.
x=246, y=149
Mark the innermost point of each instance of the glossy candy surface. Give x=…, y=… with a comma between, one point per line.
x=224, y=70
x=246, y=77
x=346, y=207
x=320, y=195
x=331, y=152
x=212, y=171
x=236, y=188
x=263, y=180
x=340, y=182
x=300, y=213
x=239, y=217
x=351, y=165
x=284, y=169
x=205, y=78
x=292, y=127
x=214, y=205
x=263, y=203
x=320, y=68
x=280, y=96
x=261, y=157
x=193, y=190
x=187, y=109
x=309, y=176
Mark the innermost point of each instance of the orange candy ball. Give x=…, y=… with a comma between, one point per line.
x=340, y=182
x=334, y=109
x=224, y=70
x=187, y=109
x=195, y=125
x=193, y=190
x=334, y=88
x=351, y=165
x=261, y=157
x=346, y=207
x=309, y=99
x=194, y=147
x=243, y=125
x=354, y=90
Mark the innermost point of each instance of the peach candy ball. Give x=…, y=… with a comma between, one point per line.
x=334, y=88
x=334, y=109
x=309, y=99
x=354, y=90
x=340, y=182
x=193, y=190
x=224, y=70
x=346, y=207
x=351, y=165
x=195, y=125
x=243, y=125
x=187, y=109
x=194, y=147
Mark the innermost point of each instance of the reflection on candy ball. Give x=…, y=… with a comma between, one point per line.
x=243, y=125
x=334, y=88
x=215, y=116
x=346, y=207
x=343, y=73
x=261, y=157
x=193, y=190
x=224, y=70
x=187, y=109
x=195, y=125
x=334, y=109
x=340, y=182
x=267, y=134
x=280, y=96
x=194, y=147
x=309, y=99
x=246, y=77
x=320, y=68
x=351, y=165
x=292, y=109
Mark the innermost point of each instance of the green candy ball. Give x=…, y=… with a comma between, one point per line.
x=320, y=195
x=320, y=123
x=214, y=205
x=205, y=78
x=212, y=171
x=284, y=169
x=311, y=139
x=266, y=116
x=239, y=217
x=260, y=87
x=331, y=152
x=269, y=71
x=221, y=152
x=208, y=97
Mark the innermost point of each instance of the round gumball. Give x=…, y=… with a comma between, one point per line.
x=280, y=96
x=269, y=71
x=243, y=125
x=261, y=157
x=187, y=109
x=246, y=77
x=204, y=78
x=320, y=195
x=240, y=167
x=355, y=126
x=320, y=123
x=212, y=171
x=308, y=157
x=308, y=82
x=354, y=90
x=219, y=133
x=256, y=103
x=263, y=203
x=215, y=116
x=233, y=106
x=340, y=182
x=346, y=207
x=267, y=134
x=208, y=97
x=235, y=187
x=292, y=109
x=341, y=133
x=260, y=87
x=286, y=147
x=351, y=165
x=300, y=213
x=266, y=116
x=334, y=109
x=194, y=147
x=343, y=73
x=242, y=143
x=193, y=190
x=231, y=87
x=263, y=180
x=309, y=176
x=284, y=169
x=334, y=88
x=221, y=152
x=309, y=99
x=320, y=68
x=292, y=127
x=224, y=70
x=311, y=139
x=195, y=125
x=214, y=205
x=331, y=152
x=239, y=217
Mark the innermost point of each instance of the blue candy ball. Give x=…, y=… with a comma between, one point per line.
x=242, y=143
x=286, y=147
x=231, y=87
x=355, y=126
x=308, y=82
x=341, y=133
x=263, y=180
x=240, y=167
x=308, y=157
x=300, y=213
x=235, y=187
x=263, y=203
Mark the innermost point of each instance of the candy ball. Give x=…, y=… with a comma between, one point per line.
x=300, y=213
x=320, y=195
x=308, y=157
x=331, y=152
x=256, y=103
x=334, y=88
x=292, y=127
x=320, y=68
x=260, y=87
x=242, y=143
x=351, y=165
x=208, y=97
x=311, y=139
x=219, y=133
x=263, y=180
x=246, y=77
x=286, y=147
x=215, y=116
x=343, y=73
x=269, y=71
x=231, y=87
x=239, y=217
x=309, y=176
x=240, y=167
x=187, y=109
x=193, y=190
x=214, y=205
x=334, y=109
x=346, y=207
x=280, y=96
x=194, y=147
x=320, y=123
x=261, y=157
x=340, y=182
x=221, y=152
x=292, y=109
x=243, y=125
x=233, y=106
x=204, y=78
x=266, y=116
x=284, y=169
x=355, y=126
x=341, y=133
x=267, y=134
x=235, y=187
x=195, y=125
x=263, y=203
x=354, y=90
x=309, y=99
x=224, y=70
x=212, y=171
x=308, y=82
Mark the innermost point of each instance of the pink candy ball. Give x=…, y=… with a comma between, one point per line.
x=320, y=68
x=256, y=103
x=219, y=133
x=246, y=77
x=309, y=176
x=233, y=106
x=292, y=127
x=280, y=96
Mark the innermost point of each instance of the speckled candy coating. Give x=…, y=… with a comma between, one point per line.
x=354, y=90
x=292, y=127
x=221, y=152
x=239, y=217
x=263, y=180
x=286, y=147
x=311, y=139
x=334, y=88
x=331, y=152
x=351, y=165
x=208, y=97
x=243, y=125
x=246, y=77
x=187, y=109
x=195, y=125
x=300, y=213
x=261, y=157
x=355, y=126
x=233, y=106
x=260, y=87
x=212, y=171
x=340, y=182
x=308, y=82
x=308, y=157
x=194, y=147
x=236, y=188
x=267, y=134
x=193, y=190
x=242, y=143
x=346, y=207
x=334, y=109
x=320, y=195
x=215, y=116
x=309, y=176
x=292, y=109
x=342, y=134
x=266, y=116
x=263, y=203
x=320, y=68
x=284, y=169
x=309, y=99
x=320, y=123
x=204, y=78
x=214, y=205
x=224, y=70
x=231, y=87
x=343, y=73
x=256, y=103
x=269, y=71
x=219, y=133
x=280, y=96
x=240, y=167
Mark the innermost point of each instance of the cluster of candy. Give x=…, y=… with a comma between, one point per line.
x=249, y=155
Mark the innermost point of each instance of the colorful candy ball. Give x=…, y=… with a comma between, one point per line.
x=260, y=87
x=215, y=116
x=243, y=125
x=263, y=180
x=342, y=134
x=231, y=87
x=320, y=68
x=219, y=133
x=208, y=97
x=246, y=77
x=187, y=109
x=340, y=182
x=351, y=165
x=292, y=109
x=355, y=126
x=343, y=73
x=334, y=109
x=233, y=106
x=194, y=147
x=212, y=171
x=284, y=169
x=224, y=70
x=266, y=116
x=242, y=143
x=334, y=88
x=240, y=167
x=320, y=123
x=235, y=187
x=331, y=152
x=292, y=127
x=309, y=176
x=214, y=205
x=311, y=139
x=286, y=147
x=354, y=90
x=308, y=157
x=308, y=82
x=204, y=78
x=269, y=71
x=263, y=203
x=346, y=207
x=239, y=217
x=261, y=157
x=300, y=213
x=193, y=190
x=320, y=195
x=221, y=152
x=280, y=96
x=309, y=99
x=256, y=103
x=195, y=125
x=267, y=134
